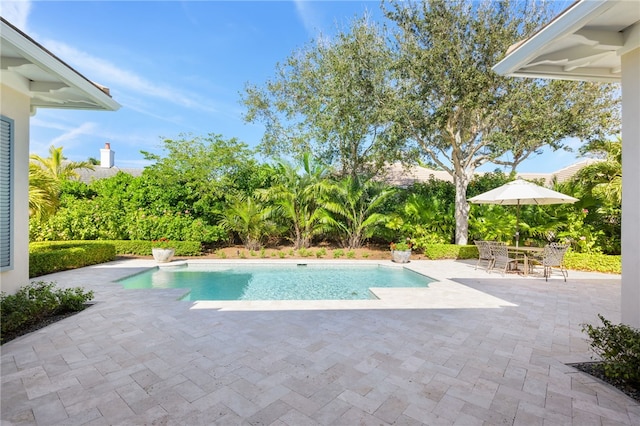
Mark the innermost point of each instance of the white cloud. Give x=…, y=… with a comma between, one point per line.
x=72, y=134
x=308, y=16
x=106, y=73
x=16, y=12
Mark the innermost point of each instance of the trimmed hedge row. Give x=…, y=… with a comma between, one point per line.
x=55, y=256
x=450, y=251
x=143, y=248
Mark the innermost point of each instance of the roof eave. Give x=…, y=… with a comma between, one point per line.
x=572, y=19
x=37, y=54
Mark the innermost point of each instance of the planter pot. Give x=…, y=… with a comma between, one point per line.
x=163, y=255
x=400, y=256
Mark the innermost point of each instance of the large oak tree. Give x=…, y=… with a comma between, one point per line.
x=461, y=113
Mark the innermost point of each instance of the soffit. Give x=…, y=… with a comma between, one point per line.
x=49, y=82
x=585, y=42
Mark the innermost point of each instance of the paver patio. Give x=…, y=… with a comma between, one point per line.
x=472, y=349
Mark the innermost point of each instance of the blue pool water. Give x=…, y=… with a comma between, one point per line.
x=277, y=282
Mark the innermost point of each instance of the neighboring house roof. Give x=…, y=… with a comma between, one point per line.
x=88, y=175
x=398, y=175
x=584, y=42
x=50, y=83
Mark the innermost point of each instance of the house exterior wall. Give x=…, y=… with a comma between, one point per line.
x=16, y=106
x=630, y=188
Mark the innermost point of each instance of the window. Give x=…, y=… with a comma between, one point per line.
x=6, y=193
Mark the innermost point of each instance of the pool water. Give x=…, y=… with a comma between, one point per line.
x=277, y=282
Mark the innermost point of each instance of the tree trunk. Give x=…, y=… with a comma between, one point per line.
x=461, y=181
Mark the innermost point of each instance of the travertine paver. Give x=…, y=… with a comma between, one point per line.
x=472, y=349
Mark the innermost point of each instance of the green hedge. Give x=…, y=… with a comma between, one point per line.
x=450, y=251
x=54, y=256
x=593, y=262
x=143, y=248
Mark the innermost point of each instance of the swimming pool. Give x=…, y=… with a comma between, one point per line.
x=277, y=282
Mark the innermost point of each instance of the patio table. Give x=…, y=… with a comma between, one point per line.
x=526, y=252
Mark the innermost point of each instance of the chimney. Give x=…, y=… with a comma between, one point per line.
x=107, y=156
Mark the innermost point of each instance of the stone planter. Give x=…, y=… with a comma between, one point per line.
x=163, y=255
x=400, y=256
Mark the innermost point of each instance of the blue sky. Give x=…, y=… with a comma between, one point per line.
x=177, y=67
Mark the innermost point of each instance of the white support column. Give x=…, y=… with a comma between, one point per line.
x=631, y=188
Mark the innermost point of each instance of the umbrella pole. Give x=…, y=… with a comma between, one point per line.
x=518, y=224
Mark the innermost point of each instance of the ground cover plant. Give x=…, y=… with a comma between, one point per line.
x=36, y=305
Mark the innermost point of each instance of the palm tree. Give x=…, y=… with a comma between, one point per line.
x=355, y=205
x=45, y=177
x=250, y=219
x=43, y=193
x=604, y=178
x=56, y=166
x=298, y=198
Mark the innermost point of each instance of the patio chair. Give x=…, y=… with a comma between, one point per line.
x=501, y=259
x=552, y=257
x=484, y=254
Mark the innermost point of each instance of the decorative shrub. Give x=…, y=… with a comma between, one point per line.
x=450, y=251
x=55, y=256
x=594, y=262
x=619, y=348
x=35, y=302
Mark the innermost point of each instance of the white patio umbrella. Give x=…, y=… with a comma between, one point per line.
x=521, y=192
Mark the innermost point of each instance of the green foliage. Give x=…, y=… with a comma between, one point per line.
x=356, y=206
x=351, y=254
x=619, y=348
x=333, y=98
x=303, y=252
x=321, y=252
x=143, y=248
x=593, y=262
x=450, y=251
x=35, y=302
x=338, y=253
x=250, y=219
x=462, y=114
x=49, y=257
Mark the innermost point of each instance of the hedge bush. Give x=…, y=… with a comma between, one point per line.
x=36, y=302
x=54, y=256
x=593, y=262
x=143, y=248
x=450, y=251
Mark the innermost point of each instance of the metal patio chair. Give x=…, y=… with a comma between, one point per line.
x=484, y=254
x=552, y=257
x=501, y=259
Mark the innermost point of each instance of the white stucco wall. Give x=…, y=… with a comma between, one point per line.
x=631, y=188
x=16, y=106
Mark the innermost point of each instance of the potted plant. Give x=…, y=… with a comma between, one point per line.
x=162, y=250
x=401, y=251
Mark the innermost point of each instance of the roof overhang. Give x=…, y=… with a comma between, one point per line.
x=29, y=68
x=584, y=42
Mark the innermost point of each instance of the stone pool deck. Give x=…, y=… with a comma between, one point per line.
x=472, y=349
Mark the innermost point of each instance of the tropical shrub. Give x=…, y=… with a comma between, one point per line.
x=36, y=301
x=593, y=262
x=619, y=348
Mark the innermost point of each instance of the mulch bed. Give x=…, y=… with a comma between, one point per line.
x=596, y=369
x=7, y=337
